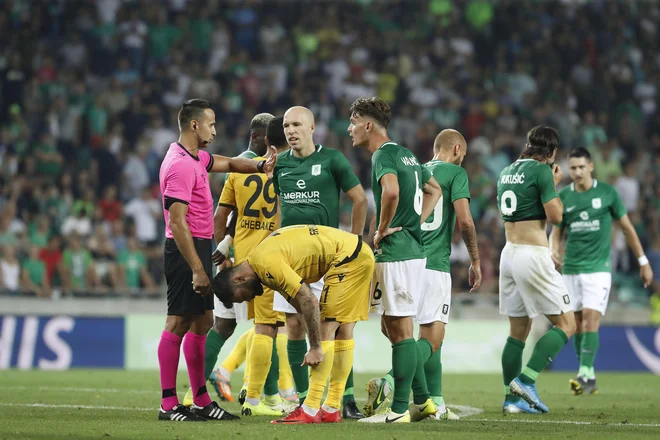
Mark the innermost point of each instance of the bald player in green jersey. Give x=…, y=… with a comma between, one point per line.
x=529, y=283
x=581, y=250
x=405, y=194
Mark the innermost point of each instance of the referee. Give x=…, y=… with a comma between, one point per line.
x=188, y=211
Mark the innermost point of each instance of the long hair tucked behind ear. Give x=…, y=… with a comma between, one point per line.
x=222, y=287
x=542, y=142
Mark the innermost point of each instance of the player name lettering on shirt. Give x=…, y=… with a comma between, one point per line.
x=302, y=197
x=409, y=161
x=585, y=226
x=257, y=225
x=513, y=178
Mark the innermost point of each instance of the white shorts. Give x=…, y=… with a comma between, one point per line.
x=529, y=283
x=589, y=290
x=396, y=287
x=239, y=311
x=282, y=305
x=435, y=298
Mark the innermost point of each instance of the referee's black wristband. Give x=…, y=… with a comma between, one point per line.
x=260, y=166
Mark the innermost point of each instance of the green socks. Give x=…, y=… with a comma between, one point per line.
x=544, y=352
x=433, y=371
x=348, y=392
x=511, y=365
x=296, y=351
x=588, y=350
x=577, y=342
x=270, y=387
x=214, y=343
x=404, y=365
x=419, y=385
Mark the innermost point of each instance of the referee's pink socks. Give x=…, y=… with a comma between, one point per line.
x=168, y=359
x=194, y=350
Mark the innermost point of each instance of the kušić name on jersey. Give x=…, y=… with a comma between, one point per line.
x=257, y=225
x=302, y=197
x=513, y=178
x=410, y=161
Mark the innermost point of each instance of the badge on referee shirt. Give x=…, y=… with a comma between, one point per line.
x=316, y=170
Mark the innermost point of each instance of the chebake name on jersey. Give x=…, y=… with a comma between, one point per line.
x=513, y=178
x=257, y=225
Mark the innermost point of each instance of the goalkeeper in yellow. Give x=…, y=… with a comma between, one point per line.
x=288, y=261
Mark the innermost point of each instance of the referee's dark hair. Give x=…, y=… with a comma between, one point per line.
x=190, y=110
x=580, y=152
x=275, y=133
x=222, y=287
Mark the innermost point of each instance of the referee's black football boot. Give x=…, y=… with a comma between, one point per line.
x=212, y=412
x=351, y=411
x=179, y=414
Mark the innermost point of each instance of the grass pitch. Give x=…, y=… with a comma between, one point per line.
x=106, y=404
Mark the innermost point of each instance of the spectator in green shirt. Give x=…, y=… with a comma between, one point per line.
x=33, y=274
x=133, y=263
x=77, y=265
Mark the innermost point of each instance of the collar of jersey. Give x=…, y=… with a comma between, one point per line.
x=317, y=148
x=387, y=143
x=592, y=186
x=189, y=153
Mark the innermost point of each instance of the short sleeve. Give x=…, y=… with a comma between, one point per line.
x=228, y=196
x=179, y=183
x=382, y=163
x=459, y=186
x=546, y=184
x=426, y=175
x=343, y=173
x=207, y=159
x=562, y=197
x=276, y=274
x=617, y=209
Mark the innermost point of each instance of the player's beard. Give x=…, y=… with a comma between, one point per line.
x=255, y=286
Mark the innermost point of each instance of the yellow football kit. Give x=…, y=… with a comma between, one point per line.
x=300, y=254
x=254, y=198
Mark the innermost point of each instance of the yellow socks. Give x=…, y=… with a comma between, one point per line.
x=259, y=361
x=318, y=376
x=239, y=354
x=248, y=347
x=341, y=368
x=285, y=381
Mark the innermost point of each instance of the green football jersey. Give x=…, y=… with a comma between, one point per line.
x=438, y=229
x=523, y=188
x=405, y=244
x=309, y=187
x=588, y=223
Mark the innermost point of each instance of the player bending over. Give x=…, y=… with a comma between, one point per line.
x=287, y=261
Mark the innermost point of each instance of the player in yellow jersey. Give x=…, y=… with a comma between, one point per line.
x=288, y=261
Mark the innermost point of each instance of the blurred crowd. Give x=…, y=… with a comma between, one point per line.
x=91, y=88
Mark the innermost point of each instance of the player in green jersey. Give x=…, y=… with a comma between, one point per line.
x=309, y=181
x=584, y=257
x=435, y=302
x=405, y=194
x=529, y=283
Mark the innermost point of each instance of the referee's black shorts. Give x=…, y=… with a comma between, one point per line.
x=181, y=298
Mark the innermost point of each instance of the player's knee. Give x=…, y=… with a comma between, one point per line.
x=224, y=327
x=567, y=324
x=295, y=329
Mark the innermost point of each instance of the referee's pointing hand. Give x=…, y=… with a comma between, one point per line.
x=201, y=283
x=269, y=166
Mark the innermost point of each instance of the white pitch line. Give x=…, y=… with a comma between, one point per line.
x=552, y=422
x=569, y=422
x=54, y=406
